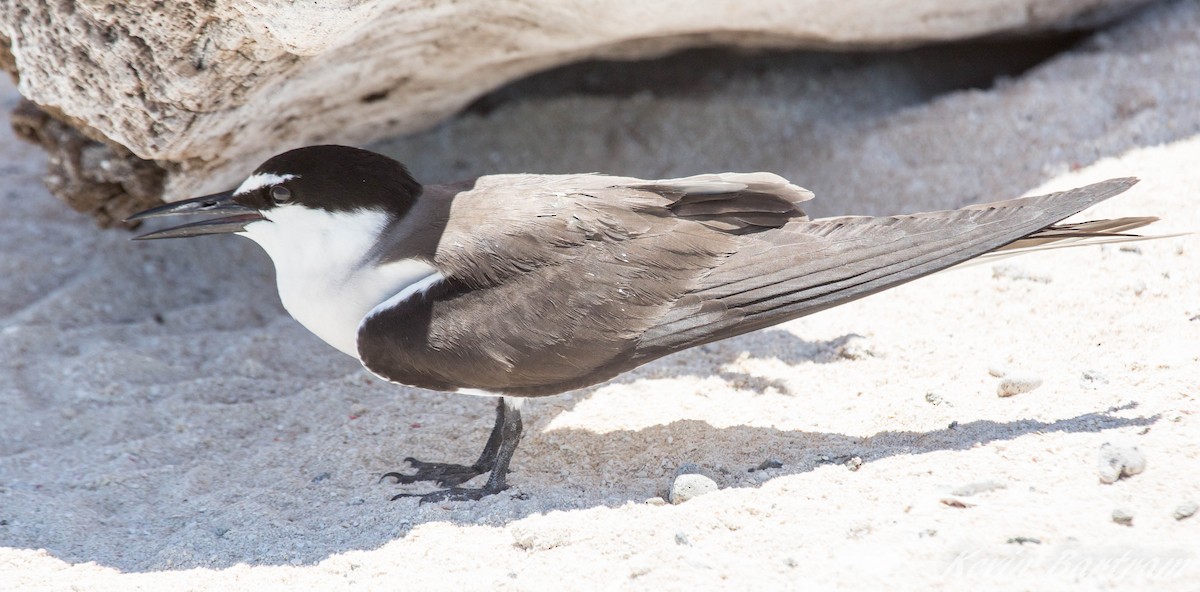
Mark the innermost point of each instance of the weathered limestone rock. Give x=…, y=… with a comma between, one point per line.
x=144, y=98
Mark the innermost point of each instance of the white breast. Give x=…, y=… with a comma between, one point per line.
x=325, y=280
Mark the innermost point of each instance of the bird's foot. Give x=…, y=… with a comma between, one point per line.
x=497, y=453
x=444, y=474
x=452, y=494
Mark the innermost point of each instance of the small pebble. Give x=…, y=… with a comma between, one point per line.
x=1186, y=510
x=1093, y=379
x=690, y=485
x=1017, y=383
x=855, y=347
x=541, y=537
x=978, y=487
x=1021, y=540
x=1119, y=462
x=1122, y=516
x=997, y=371
x=936, y=399
x=770, y=463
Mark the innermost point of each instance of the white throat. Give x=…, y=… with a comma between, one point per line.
x=322, y=269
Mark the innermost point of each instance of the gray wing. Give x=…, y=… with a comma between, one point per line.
x=550, y=281
x=813, y=265
x=600, y=274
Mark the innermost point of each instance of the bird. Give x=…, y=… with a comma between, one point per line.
x=528, y=285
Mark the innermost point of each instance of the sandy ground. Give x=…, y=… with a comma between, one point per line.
x=166, y=426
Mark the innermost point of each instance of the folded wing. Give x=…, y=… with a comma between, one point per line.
x=596, y=275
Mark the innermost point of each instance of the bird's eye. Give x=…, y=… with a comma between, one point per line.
x=281, y=194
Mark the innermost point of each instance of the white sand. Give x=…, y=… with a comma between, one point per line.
x=222, y=447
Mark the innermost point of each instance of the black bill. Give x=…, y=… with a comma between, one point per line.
x=217, y=203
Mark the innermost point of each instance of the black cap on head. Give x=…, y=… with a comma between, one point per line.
x=333, y=178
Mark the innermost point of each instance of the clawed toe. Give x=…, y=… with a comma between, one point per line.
x=444, y=474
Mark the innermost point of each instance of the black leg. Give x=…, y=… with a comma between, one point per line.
x=487, y=459
x=497, y=453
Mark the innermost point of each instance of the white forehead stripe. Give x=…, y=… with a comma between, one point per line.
x=260, y=180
